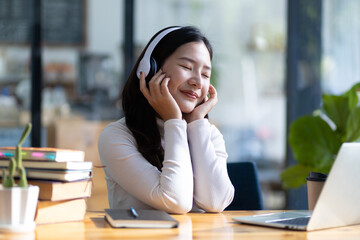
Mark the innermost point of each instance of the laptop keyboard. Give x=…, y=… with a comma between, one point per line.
x=301, y=221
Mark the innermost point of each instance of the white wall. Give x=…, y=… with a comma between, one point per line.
x=105, y=28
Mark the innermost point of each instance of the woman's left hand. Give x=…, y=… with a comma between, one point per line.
x=201, y=110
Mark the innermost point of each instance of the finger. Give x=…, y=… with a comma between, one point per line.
x=212, y=91
x=155, y=84
x=156, y=75
x=164, y=86
x=151, y=81
x=210, y=100
x=143, y=87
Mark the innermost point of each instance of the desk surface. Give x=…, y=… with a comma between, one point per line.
x=192, y=226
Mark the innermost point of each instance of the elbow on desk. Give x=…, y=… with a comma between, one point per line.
x=178, y=206
x=214, y=208
x=178, y=210
x=217, y=204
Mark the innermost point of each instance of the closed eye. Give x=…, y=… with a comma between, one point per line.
x=205, y=76
x=185, y=67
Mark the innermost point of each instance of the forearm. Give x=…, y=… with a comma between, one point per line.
x=213, y=190
x=170, y=190
x=177, y=168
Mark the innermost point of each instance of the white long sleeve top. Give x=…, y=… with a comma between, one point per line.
x=193, y=176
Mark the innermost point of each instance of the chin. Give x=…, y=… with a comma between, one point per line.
x=186, y=109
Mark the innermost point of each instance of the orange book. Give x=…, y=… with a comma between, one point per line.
x=60, y=211
x=44, y=154
x=56, y=191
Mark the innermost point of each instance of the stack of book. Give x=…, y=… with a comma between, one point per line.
x=64, y=179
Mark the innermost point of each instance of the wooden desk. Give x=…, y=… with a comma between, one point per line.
x=192, y=226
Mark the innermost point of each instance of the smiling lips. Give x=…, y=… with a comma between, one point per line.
x=191, y=94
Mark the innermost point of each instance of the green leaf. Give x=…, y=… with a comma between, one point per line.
x=12, y=167
x=23, y=180
x=25, y=133
x=352, y=94
x=295, y=176
x=313, y=142
x=337, y=109
x=353, y=126
x=7, y=182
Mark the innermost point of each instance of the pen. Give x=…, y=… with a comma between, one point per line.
x=133, y=212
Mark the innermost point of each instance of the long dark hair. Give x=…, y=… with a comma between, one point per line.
x=140, y=116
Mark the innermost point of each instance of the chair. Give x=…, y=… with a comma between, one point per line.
x=244, y=178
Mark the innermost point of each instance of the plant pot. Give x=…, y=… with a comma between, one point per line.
x=18, y=208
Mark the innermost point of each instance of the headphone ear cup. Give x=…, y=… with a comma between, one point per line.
x=153, y=69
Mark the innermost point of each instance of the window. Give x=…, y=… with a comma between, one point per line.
x=248, y=71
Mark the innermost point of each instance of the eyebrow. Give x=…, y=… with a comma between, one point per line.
x=193, y=61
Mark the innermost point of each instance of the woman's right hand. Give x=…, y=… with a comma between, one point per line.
x=159, y=96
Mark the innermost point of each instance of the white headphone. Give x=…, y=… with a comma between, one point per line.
x=147, y=64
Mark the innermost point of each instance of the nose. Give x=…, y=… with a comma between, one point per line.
x=195, y=79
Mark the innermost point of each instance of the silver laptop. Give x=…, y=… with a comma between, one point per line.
x=338, y=204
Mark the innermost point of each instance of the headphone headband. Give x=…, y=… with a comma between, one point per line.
x=144, y=64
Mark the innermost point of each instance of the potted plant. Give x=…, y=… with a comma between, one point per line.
x=17, y=201
x=315, y=140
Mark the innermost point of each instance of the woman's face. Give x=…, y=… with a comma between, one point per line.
x=189, y=69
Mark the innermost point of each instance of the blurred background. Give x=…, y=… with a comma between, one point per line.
x=265, y=53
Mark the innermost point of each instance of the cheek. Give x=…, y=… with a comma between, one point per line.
x=173, y=86
x=175, y=82
x=205, y=90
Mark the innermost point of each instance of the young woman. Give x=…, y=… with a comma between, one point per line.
x=165, y=154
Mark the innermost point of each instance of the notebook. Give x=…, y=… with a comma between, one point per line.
x=127, y=218
x=338, y=203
